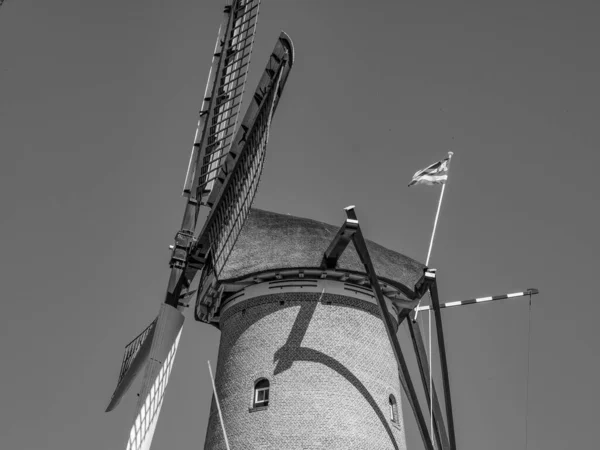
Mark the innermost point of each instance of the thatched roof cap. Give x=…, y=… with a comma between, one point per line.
x=272, y=241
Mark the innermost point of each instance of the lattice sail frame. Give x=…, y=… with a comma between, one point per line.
x=142, y=431
x=222, y=97
x=132, y=349
x=134, y=359
x=239, y=193
x=224, y=173
x=237, y=181
x=165, y=341
x=218, y=115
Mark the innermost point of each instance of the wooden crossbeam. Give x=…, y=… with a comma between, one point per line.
x=340, y=242
x=404, y=374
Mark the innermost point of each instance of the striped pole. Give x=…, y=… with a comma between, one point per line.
x=526, y=293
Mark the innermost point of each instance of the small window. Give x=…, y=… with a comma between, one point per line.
x=261, y=393
x=393, y=409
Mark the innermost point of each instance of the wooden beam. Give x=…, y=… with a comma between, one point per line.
x=339, y=243
x=404, y=374
x=422, y=286
x=440, y=428
x=443, y=362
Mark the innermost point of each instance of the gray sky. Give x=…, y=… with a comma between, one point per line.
x=98, y=107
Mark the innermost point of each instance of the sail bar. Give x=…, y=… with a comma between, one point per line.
x=240, y=191
x=226, y=97
x=236, y=180
x=226, y=81
x=191, y=170
x=526, y=293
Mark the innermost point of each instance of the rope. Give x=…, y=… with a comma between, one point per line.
x=430, y=386
x=218, y=406
x=528, y=370
x=430, y=375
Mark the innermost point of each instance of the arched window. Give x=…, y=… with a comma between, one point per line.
x=261, y=393
x=393, y=409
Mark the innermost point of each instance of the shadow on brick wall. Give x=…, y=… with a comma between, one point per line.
x=292, y=350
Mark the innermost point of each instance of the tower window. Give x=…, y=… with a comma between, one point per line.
x=261, y=393
x=393, y=409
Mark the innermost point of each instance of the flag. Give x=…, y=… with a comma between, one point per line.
x=436, y=173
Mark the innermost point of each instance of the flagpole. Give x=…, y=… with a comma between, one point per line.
x=437, y=215
x=218, y=406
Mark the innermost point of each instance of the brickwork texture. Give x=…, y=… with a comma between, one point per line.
x=331, y=371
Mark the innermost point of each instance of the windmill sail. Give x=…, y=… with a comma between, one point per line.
x=223, y=173
x=223, y=96
x=135, y=357
x=218, y=118
x=237, y=180
x=165, y=341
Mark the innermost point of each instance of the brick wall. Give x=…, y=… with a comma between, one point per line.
x=331, y=370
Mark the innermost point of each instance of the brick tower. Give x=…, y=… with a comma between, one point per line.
x=304, y=359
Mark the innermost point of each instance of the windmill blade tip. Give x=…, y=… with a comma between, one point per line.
x=286, y=40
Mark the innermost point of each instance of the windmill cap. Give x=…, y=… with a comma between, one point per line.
x=270, y=241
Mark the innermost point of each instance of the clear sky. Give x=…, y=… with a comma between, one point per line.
x=98, y=107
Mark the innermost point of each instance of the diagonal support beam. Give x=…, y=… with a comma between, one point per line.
x=404, y=374
x=443, y=362
x=440, y=428
x=340, y=241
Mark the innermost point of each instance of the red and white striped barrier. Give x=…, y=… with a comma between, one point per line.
x=526, y=293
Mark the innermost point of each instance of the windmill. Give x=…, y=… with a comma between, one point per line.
x=303, y=314
x=281, y=281
x=223, y=174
